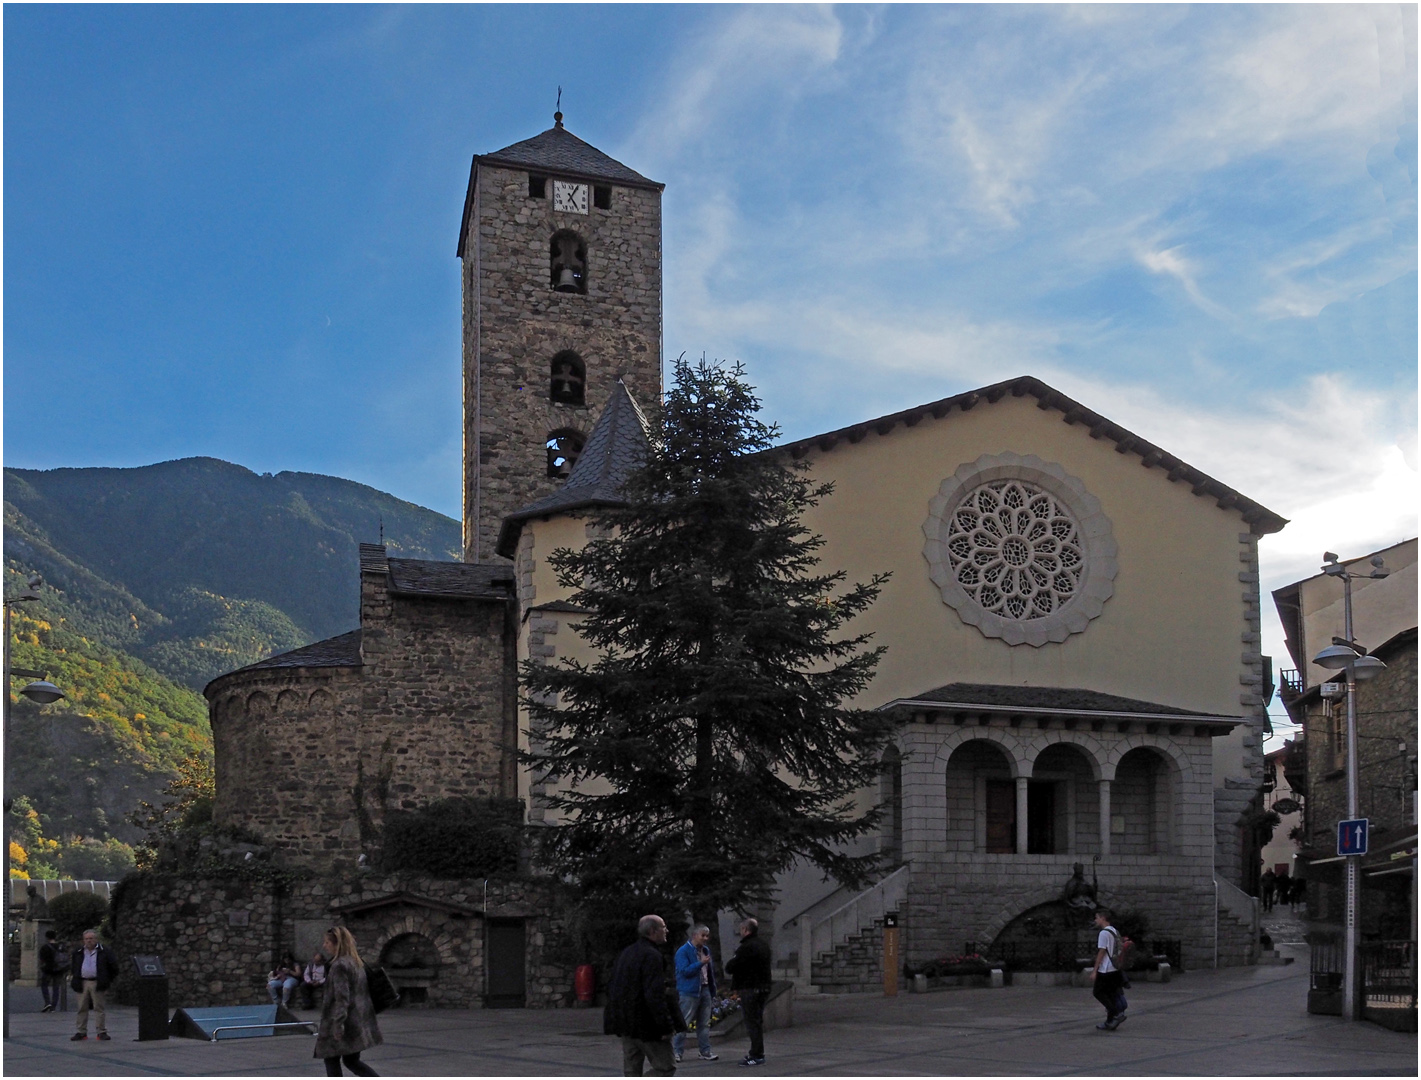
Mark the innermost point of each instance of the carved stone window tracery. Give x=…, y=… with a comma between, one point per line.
x=1019, y=549
x=1015, y=550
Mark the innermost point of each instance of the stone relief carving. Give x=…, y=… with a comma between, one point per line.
x=1019, y=549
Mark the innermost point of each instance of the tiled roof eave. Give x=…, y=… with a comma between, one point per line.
x=1259, y=518
x=561, y=172
x=1038, y=710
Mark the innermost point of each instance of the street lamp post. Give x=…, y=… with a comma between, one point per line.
x=1350, y=658
x=42, y=692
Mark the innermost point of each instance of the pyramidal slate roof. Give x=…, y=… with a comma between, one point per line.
x=558, y=150
x=616, y=448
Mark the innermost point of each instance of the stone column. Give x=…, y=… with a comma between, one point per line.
x=1021, y=811
x=1105, y=817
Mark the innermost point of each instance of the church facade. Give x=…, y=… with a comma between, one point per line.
x=1071, y=622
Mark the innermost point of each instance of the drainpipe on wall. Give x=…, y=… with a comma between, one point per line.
x=486, y=942
x=1216, y=915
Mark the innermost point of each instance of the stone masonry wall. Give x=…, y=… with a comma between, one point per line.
x=310, y=759
x=514, y=323
x=218, y=939
x=959, y=893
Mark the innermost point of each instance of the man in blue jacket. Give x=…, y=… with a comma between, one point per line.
x=695, y=983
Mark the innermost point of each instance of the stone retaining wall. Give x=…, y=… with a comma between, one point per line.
x=219, y=938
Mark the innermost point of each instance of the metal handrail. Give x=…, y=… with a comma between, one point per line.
x=247, y=1027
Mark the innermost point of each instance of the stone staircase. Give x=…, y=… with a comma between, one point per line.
x=840, y=950
x=1239, y=927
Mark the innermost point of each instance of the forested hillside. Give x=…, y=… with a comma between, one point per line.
x=158, y=579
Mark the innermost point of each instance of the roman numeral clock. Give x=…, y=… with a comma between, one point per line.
x=570, y=198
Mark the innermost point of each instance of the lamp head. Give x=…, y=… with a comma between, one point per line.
x=1334, y=657
x=43, y=692
x=1367, y=667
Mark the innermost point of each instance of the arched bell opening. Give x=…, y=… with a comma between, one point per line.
x=568, y=262
x=563, y=448
x=568, y=381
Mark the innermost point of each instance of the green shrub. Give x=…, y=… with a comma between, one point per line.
x=75, y=912
x=455, y=838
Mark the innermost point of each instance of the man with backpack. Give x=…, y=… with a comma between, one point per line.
x=1106, y=974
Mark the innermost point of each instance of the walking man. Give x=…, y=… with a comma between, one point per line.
x=94, y=969
x=1108, y=979
x=1267, y=889
x=637, y=1005
x=750, y=970
x=695, y=984
x=51, y=971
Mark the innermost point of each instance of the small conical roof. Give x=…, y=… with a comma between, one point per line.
x=615, y=449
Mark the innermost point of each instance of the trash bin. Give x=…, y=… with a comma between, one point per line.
x=152, y=998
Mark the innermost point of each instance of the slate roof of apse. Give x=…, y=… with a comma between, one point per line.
x=1259, y=518
x=1044, y=698
x=340, y=651
x=615, y=449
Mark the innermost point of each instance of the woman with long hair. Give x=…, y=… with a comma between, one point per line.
x=348, y=1015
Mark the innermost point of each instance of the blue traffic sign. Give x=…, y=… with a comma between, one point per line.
x=1352, y=837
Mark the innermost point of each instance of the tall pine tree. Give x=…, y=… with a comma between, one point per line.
x=708, y=747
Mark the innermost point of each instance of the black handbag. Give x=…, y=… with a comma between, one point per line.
x=383, y=994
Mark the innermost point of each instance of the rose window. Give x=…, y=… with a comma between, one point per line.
x=1019, y=549
x=1015, y=550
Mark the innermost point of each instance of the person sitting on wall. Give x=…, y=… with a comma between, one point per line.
x=284, y=978
x=313, y=982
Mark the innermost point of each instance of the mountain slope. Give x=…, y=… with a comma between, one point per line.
x=158, y=579
x=198, y=566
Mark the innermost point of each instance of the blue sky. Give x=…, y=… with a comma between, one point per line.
x=231, y=230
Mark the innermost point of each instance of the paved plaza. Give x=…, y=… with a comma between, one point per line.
x=1238, y=1021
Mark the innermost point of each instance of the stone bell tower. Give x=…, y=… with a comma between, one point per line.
x=561, y=250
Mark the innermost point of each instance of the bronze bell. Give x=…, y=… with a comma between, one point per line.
x=567, y=280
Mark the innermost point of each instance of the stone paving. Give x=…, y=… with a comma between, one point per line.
x=1237, y=1021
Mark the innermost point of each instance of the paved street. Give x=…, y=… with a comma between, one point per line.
x=1233, y=1022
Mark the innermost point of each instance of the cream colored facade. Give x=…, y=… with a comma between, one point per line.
x=1172, y=622
x=1312, y=610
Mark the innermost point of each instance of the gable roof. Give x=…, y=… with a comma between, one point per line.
x=1259, y=518
x=615, y=449
x=560, y=153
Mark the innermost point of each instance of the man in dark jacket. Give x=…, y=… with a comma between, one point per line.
x=750, y=970
x=51, y=970
x=637, y=1005
x=93, y=968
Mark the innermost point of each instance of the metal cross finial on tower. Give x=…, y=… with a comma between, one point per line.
x=557, y=116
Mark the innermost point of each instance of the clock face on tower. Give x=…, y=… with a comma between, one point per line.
x=569, y=198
